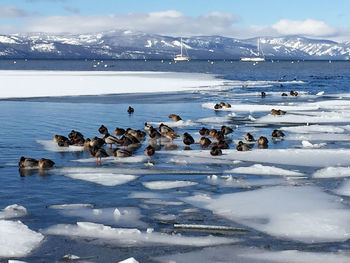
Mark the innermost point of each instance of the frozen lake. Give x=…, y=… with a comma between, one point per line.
x=286, y=203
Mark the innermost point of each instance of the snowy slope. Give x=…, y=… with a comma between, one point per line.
x=138, y=45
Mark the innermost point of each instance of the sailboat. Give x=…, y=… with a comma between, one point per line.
x=257, y=58
x=181, y=57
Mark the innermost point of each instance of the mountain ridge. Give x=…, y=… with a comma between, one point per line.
x=125, y=44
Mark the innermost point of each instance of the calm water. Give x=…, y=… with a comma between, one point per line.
x=25, y=121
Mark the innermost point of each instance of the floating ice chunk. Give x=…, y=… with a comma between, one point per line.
x=50, y=145
x=264, y=170
x=321, y=117
x=122, y=216
x=133, y=237
x=314, y=129
x=70, y=257
x=163, y=185
x=320, y=93
x=165, y=217
x=263, y=107
x=229, y=181
x=107, y=179
x=299, y=157
x=304, y=214
x=209, y=120
x=13, y=211
x=307, y=144
x=129, y=260
x=162, y=202
x=16, y=239
x=70, y=206
x=318, y=137
x=253, y=255
x=344, y=189
x=15, y=261
x=332, y=172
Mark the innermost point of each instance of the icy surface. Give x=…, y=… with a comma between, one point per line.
x=344, y=189
x=162, y=185
x=70, y=206
x=299, y=157
x=50, y=145
x=304, y=214
x=313, y=129
x=332, y=172
x=132, y=236
x=129, y=260
x=35, y=83
x=264, y=170
x=107, y=179
x=253, y=255
x=13, y=211
x=122, y=216
x=318, y=137
x=16, y=239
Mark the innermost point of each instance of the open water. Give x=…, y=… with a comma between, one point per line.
x=24, y=122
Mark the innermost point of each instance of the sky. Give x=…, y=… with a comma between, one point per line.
x=323, y=19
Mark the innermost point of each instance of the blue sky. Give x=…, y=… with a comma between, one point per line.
x=236, y=18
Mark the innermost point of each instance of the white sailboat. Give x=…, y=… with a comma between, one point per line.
x=258, y=58
x=181, y=57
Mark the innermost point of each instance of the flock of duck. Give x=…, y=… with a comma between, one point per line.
x=128, y=140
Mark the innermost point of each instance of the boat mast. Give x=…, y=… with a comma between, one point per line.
x=181, y=47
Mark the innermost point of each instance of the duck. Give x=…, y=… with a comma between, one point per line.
x=249, y=138
x=187, y=139
x=222, y=144
x=277, y=112
x=219, y=136
x=204, y=142
x=204, y=131
x=227, y=105
x=97, y=142
x=76, y=138
x=27, y=162
x=110, y=139
x=149, y=151
x=263, y=94
x=226, y=130
x=277, y=133
x=212, y=133
x=138, y=134
x=147, y=127
x=63, y=143
x=130, y=110
x=103, y=130
x=99, y=153
x=58, y=138
x=175, y=117
x=284, y=94
x=171, y=135
x=242, y=147
x=262, y=142
x=45, y=163
x=121, y=153
x=217, y=106
x=215, y=151
x=164, y=128
x=154, y=134
x=119, y=132
x=87, y=143
x=293, y=93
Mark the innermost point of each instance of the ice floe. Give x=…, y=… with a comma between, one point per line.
x=174, y=124
x=304, y=213
x=129, y=260
x=107, y=179
x=16, y=239
x=344, y=189
x=214, y=120
x=13, y=211
x=318, y=137
x=163, y=185
x=70, y=206
x=50, y=145
x=253, y=255
x=122, y=216
x=264, y=170
x=332, y=172
x=307, y=144
x=23, y=83
x=133, y=237
x=314, y=129
x=263, y=107
x=299, y=157
x=230, y=181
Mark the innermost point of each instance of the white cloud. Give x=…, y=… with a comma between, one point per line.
x=308, y=27
x=11, y=11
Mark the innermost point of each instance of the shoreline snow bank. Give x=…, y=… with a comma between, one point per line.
x=29, y=84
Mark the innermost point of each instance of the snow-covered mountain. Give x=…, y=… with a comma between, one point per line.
x=136, y=45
